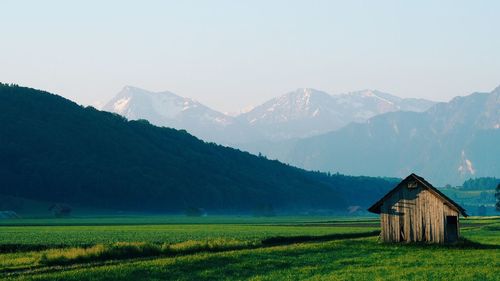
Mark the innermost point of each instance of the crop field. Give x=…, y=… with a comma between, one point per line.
x=237, y=248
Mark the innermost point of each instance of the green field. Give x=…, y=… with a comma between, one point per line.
x=227, y=248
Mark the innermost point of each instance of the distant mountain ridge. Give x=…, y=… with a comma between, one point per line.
x=298, y=114
x=448, y=143
x=308, y=112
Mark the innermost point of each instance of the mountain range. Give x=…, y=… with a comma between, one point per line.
x=297, y=114
x=308, y=112
x=449, y=143
x=54, y=150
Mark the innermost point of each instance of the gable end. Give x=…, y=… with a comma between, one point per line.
x=412, y=181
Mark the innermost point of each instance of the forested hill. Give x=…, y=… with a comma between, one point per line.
x=486, y=183
x=54, y=150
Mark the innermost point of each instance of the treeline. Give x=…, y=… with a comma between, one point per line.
x=484, y=183
x=54, y=150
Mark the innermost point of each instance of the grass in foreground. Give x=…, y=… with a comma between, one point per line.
x=12, y=262
x=345, y=259
x=357, y=259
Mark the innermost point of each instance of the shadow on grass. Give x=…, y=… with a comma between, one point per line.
x=14, y=248
x=285, y=240
x=463, y=243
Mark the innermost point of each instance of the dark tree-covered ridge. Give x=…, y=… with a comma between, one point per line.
x=483, y=183
x=55, y=150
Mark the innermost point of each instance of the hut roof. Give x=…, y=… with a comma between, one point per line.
x=376, y=207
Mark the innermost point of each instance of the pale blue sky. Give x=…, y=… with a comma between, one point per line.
x=230, y=54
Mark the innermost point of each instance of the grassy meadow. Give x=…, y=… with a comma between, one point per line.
x=241, y=248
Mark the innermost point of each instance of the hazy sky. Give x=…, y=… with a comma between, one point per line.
x=230, y=54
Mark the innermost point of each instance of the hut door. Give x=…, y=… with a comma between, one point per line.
x=451, y=229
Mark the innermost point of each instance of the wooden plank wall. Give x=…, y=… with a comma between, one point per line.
x=412, y=215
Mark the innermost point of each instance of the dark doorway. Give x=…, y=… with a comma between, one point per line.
x=451, y=229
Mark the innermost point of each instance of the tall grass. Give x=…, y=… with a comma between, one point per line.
x=128, y=250
x=193, y=246
x=119, y=250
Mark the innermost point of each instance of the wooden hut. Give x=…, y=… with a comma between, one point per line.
x=415, y=211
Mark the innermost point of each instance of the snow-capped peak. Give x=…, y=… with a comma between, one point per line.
x=165, y=109
x=318, y=112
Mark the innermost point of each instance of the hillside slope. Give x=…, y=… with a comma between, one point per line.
x=55, y=150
